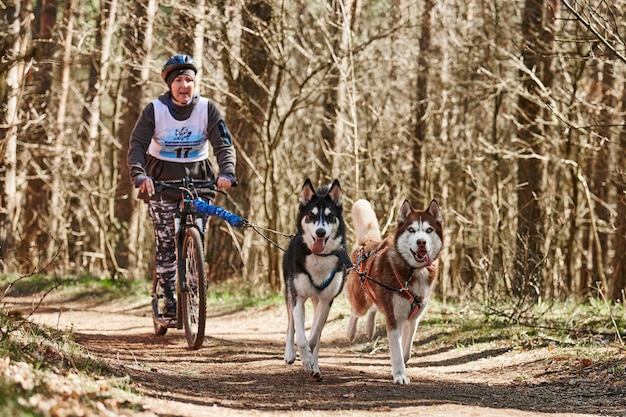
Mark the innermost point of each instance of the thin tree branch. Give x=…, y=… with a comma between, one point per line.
x=587, y=24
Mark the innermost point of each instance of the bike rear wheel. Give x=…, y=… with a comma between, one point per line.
x=193, y=294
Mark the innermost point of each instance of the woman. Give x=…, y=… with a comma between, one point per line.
x=172, y=140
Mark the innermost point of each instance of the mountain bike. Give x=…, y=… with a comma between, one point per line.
x=191, y=277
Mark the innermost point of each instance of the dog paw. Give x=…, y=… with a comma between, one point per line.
x=370, y=325
x=290, y=356
x=315, y=374
x=401, y=379
x=351, y=335
x=312, y=370
x=351, y=329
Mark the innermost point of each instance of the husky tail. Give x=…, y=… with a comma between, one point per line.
x=365, y=222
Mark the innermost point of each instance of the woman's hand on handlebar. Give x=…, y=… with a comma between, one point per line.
x=147, y=186
x=224, y=183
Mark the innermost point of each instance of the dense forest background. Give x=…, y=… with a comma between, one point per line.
x=509, y=113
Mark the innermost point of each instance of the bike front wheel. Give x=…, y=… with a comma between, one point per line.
x=194, y=286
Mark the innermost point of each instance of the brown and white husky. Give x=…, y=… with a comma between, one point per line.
x=394, y=275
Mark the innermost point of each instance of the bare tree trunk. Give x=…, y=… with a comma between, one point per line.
x=128, y=209
x=29, y=255
x=600, y=187
x=10, y=82
x=198, y=36
x=550, y=11
x=97, y=158
x=530, y=234
x=345, y=133
x=597, y=164
x=618, y=281
x=329, y=96
x=246, y=114
x=570, y=195
x=421, y=110
x=498, y=276
x=58, y=246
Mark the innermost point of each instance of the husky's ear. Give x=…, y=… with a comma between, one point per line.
x=335, y=193
x=307, y=193
x=405, y=210
x=433, y=210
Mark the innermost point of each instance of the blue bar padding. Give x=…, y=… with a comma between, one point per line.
x=211, y=210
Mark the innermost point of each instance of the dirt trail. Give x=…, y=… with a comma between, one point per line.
x=240, y=370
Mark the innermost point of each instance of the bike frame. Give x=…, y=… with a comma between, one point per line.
x=184, y=218
x=189, y=234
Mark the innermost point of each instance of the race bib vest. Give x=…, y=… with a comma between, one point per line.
x=180, y=140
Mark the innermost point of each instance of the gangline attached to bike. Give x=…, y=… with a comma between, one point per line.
x=230, y=218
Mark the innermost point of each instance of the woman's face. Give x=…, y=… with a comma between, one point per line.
x=182, y=89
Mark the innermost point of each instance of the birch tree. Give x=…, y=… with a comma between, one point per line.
x=14, y=66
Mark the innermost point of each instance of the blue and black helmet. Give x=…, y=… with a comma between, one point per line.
x=178, y=62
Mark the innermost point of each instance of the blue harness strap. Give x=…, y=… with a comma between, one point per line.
x=326, y=282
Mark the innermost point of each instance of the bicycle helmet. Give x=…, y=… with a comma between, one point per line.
x=178, y=62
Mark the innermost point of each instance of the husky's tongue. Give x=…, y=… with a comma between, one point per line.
x=318, y=245
x=422, y=256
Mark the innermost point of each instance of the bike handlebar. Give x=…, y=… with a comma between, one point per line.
x=189, y=185
x=184, y=184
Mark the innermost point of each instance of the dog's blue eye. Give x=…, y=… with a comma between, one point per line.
x=410, y=230
x=430, y=230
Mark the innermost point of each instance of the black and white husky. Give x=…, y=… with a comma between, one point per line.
x=314, y=266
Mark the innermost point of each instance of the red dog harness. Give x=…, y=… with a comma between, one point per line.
x=369, y=257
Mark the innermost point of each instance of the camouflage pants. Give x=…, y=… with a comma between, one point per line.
x=162, y=214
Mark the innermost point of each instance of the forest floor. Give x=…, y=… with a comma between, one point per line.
x=240, y=370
